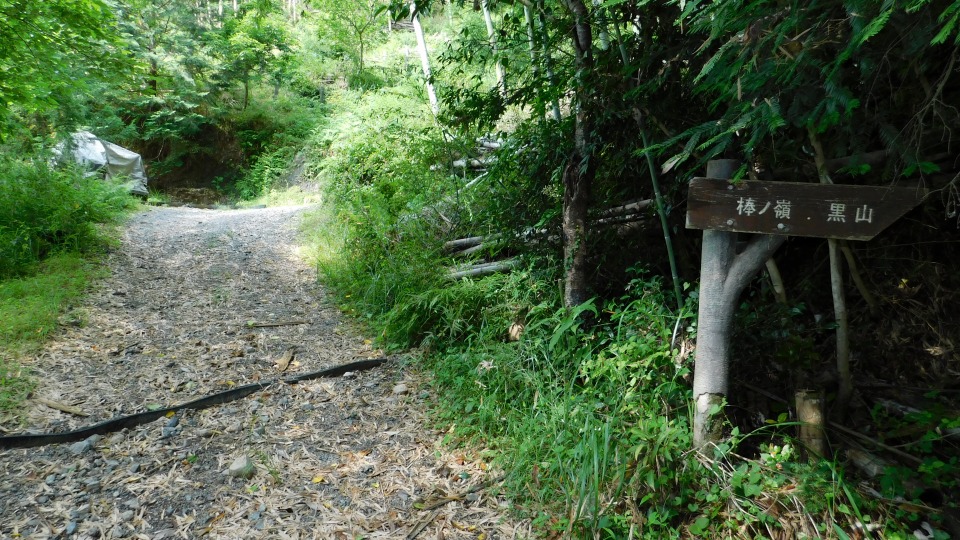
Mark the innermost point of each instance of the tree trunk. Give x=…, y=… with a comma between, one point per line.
x=579, y=172
x=361, y=54
x=845, y=389
x=424, y=58
x=492, y=36
x=723, y=276
x=532, y=42
x=602, y=35
x=547, y=59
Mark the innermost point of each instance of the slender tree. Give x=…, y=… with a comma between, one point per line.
x=578, y=174
x=352, y=25
x=424, y=57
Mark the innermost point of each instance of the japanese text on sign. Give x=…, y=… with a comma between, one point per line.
x=747, y=206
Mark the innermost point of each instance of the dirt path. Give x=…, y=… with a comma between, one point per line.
x=178, y=319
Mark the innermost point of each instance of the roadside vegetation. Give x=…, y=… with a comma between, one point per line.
x=54, y=225
x=587, y=409
x=560, y=337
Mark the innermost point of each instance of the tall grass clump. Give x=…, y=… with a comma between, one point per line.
x=45, y=210
x=381, y=231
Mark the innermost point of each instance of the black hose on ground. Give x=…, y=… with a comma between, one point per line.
x=113, y=425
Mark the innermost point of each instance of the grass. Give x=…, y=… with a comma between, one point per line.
x=157, y=198
x=30, y=307
x=291, y=196
x=54, y=224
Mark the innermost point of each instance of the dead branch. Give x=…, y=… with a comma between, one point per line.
x=59, y=406
x=274, y=324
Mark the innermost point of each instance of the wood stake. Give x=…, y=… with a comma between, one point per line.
x=59, y=406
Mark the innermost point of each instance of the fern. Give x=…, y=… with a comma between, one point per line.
x=874, y=27
x=949, y=18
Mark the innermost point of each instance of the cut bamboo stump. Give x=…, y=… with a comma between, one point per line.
x=809, y=405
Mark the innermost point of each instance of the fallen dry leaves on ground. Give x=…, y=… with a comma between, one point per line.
x=200, y=301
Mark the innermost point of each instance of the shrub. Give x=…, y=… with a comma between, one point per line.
x=44, y=210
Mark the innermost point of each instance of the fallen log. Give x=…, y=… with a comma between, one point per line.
x=471, y=250
x=618, y=220
x=629, y=208
x=482, y=269
x=461, y=243
x=474, y=163
x=489, y=143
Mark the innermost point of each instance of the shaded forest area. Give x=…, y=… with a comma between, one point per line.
x=540, y=152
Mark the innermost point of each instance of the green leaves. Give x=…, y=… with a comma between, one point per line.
x=51, y=49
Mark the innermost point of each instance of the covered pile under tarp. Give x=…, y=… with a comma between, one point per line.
x=99, y=155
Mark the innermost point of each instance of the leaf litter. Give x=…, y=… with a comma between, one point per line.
x=200, y=301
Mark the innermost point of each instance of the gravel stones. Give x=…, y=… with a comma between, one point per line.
x=80, y=447
x=359, y=460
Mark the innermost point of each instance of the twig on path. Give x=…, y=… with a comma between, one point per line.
x=122, y=350
x=444, y=500
x=252, y=324
x=422, y=525
x=284, y=361
x=435, y=505
x=59, y=406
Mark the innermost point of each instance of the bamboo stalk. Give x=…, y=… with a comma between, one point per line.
x=463, y=243
x=487, y=143
x=474, y=163
x=779, y=290
x=904, y=410
x=471, y=250
x=483, y=269
x=856, y=277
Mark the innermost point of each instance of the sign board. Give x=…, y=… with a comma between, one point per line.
x=797, y=209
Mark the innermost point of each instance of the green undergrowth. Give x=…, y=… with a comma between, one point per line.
x=31, y=307
x=54, y=224
x=45, y=210
x=586, y=411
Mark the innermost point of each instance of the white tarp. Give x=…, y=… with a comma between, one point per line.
x=90, y=151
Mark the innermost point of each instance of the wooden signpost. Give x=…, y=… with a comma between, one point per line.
x=797, y=209
x=774, y=210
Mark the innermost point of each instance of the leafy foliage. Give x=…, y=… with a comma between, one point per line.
x=43, y=210
x=353, y=26
x=51, y=50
